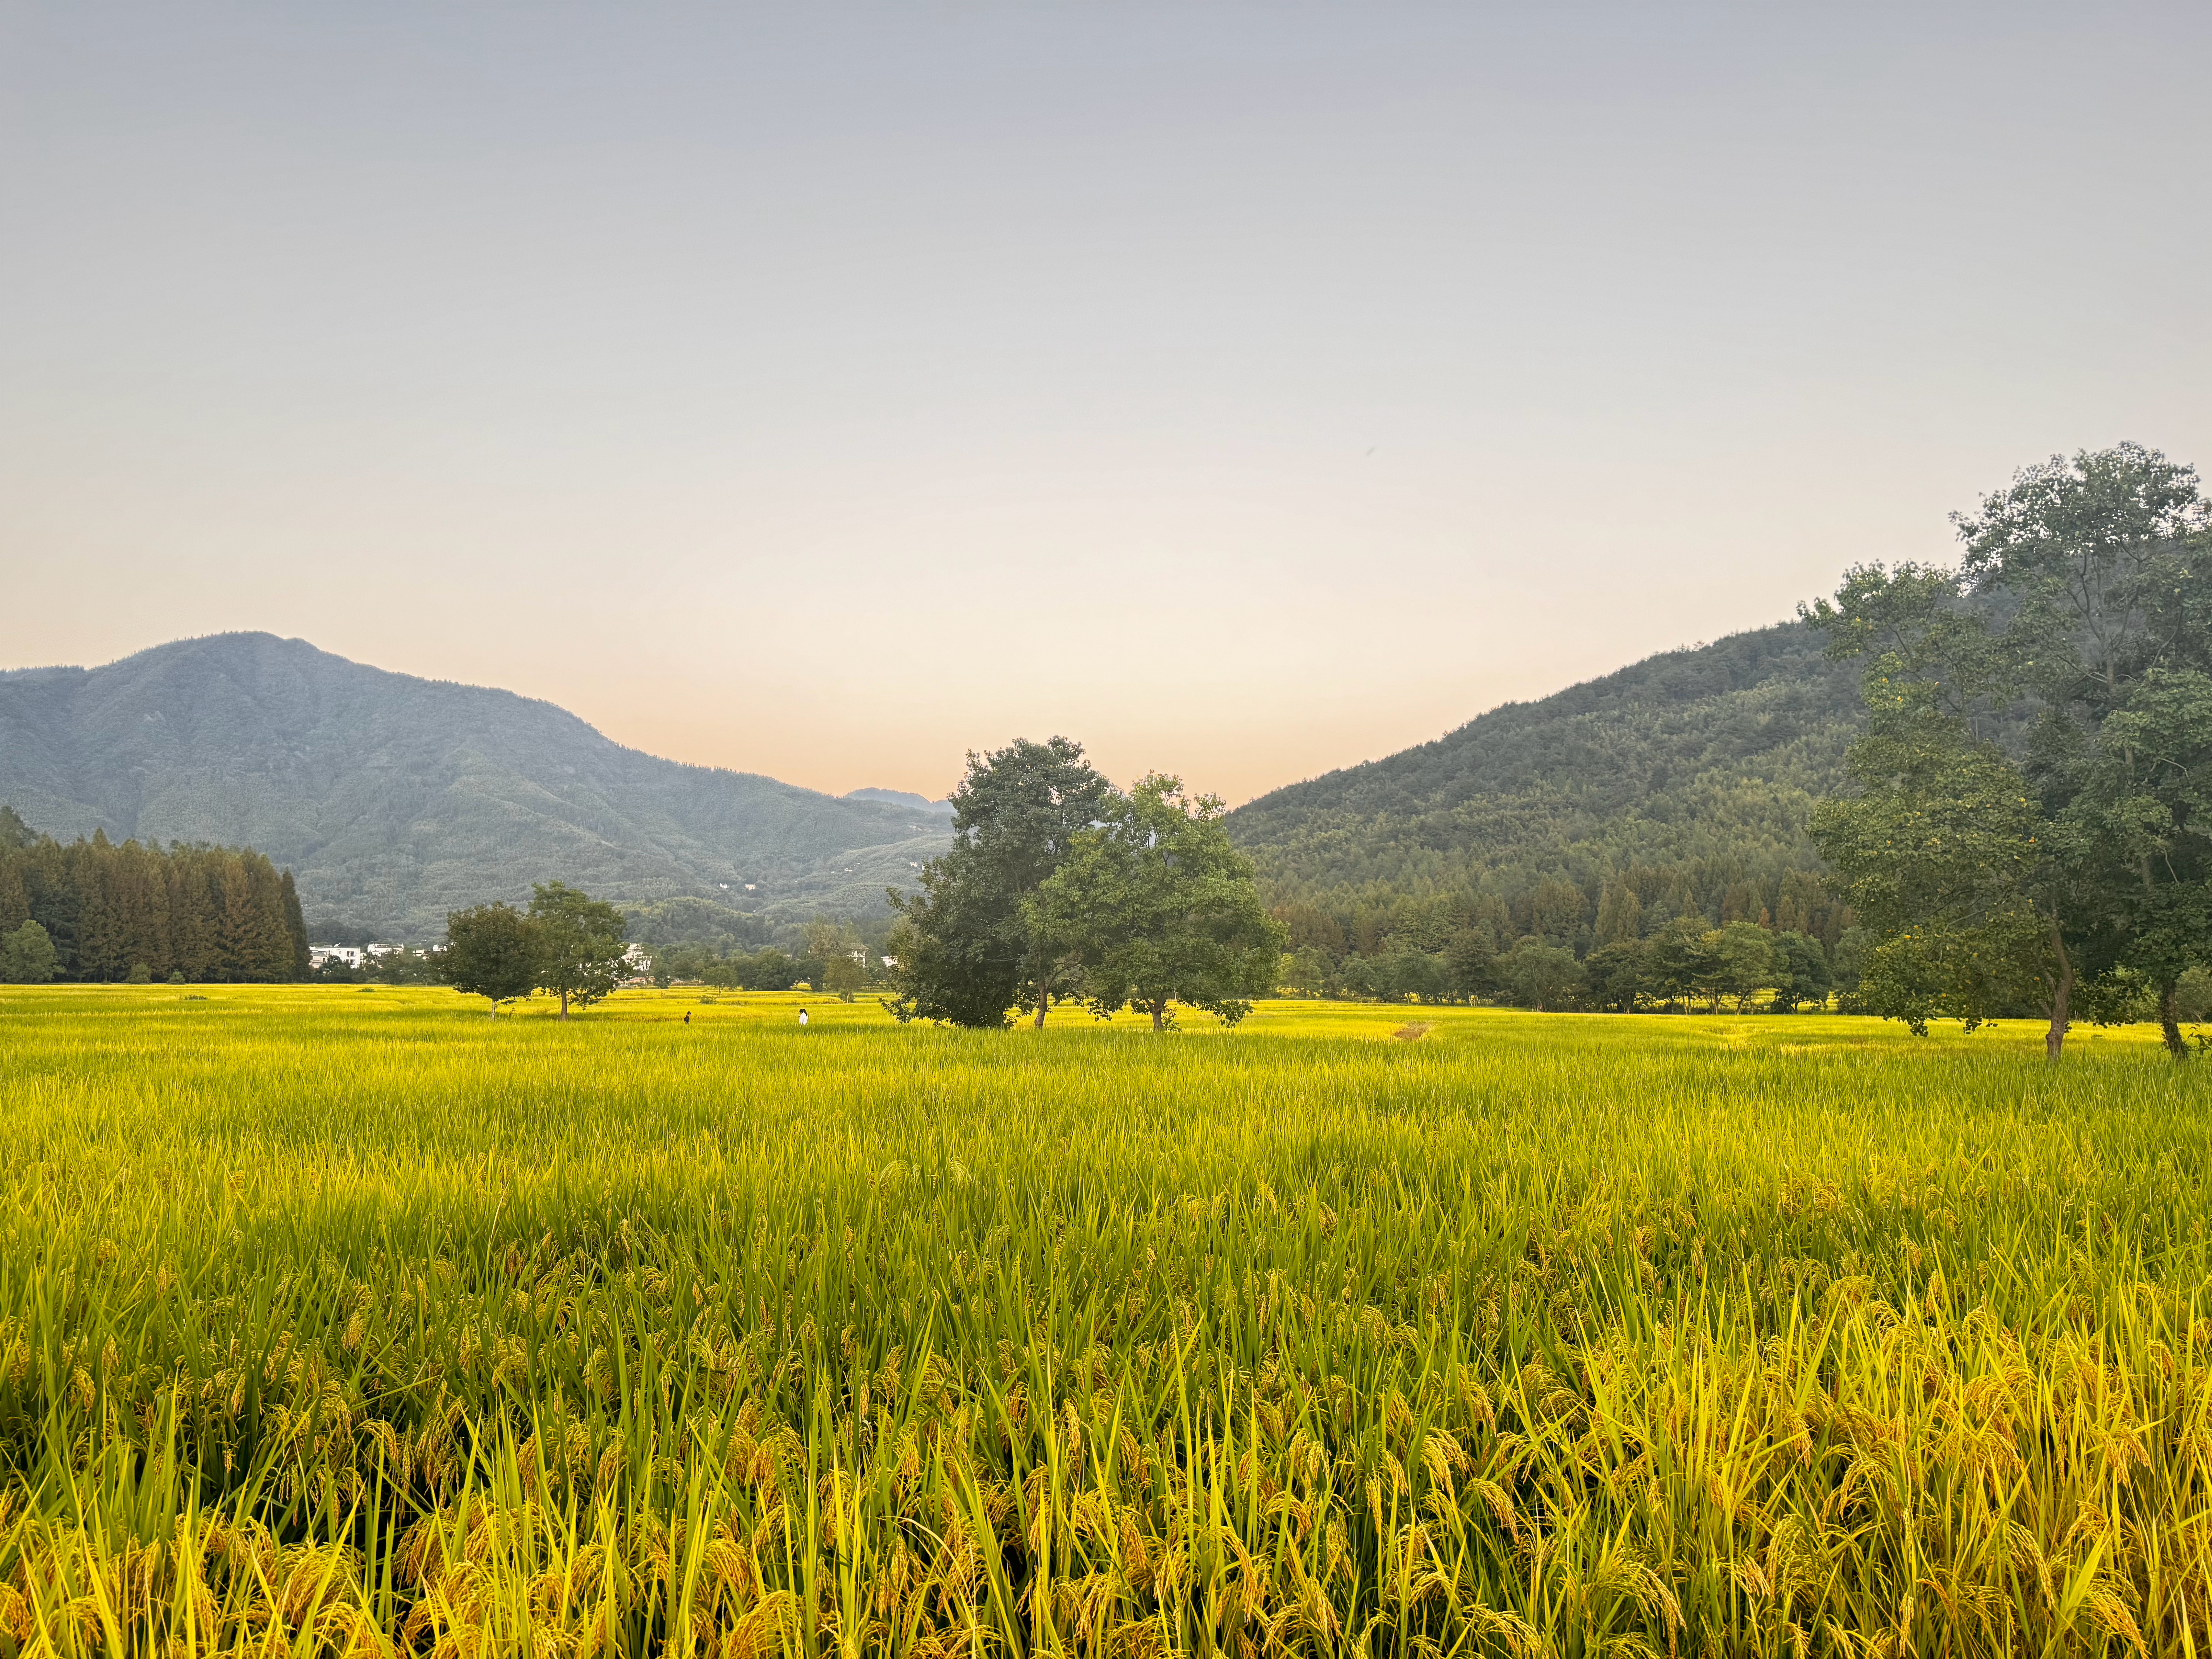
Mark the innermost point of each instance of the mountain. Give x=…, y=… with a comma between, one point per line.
x=901, y=798
x=394, y=799
x=1702, y=761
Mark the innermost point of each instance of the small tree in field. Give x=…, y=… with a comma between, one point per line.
x=27, y=956
x=842, y=956
x=1541, y=976
x=580, y=943
x=492, y=950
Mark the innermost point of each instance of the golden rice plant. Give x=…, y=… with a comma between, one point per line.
x=334, y=1323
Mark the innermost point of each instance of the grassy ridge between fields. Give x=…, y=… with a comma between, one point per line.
x=333, y=1320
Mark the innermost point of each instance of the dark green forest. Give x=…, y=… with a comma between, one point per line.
x=136, y=912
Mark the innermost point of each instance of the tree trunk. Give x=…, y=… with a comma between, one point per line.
x=564, y=1003
x=2062, y=1000
x=1044, y=1002
x=1158, y=1024
x=2169, y=1020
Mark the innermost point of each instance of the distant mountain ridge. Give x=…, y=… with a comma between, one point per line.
x=395, y=798
x=901, y=797
x=1705, y=759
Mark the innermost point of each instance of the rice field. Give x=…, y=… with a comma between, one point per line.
x=337, y=1321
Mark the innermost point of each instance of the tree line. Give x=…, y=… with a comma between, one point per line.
x=2025, y=827
x=1687, y=963
x=96, y=911
x=828, y=954
x=1626, y=939
x=837, y=956
x=566, y=938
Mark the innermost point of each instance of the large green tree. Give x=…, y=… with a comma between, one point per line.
x=1737, y=959
x=1545, y=977
x=1674, y=960
x=2034, y=793
x=1156, y=907
x=766, y=969
x=1946, y=861
x=965, y=950
x=491, y=951
x=1803, y=974
x=1617, y=974
x=2101, y=563
x=580, y=943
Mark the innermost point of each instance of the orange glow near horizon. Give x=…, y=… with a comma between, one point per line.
x=1244, y=391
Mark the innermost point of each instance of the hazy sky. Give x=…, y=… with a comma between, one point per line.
x=1247, y=391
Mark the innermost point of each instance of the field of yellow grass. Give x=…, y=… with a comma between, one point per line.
x=335, y=1320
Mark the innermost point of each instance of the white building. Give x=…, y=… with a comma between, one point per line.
x=356, y=956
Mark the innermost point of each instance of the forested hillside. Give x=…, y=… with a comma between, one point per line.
x=1683, y=782
x=394, y=799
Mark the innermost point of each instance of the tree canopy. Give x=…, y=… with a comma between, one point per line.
x=27, y=956
x=491, y=951
x=577, y=942
x=1156, y=908
x=966, y=949
x=2032, y=803
x=1059, y=886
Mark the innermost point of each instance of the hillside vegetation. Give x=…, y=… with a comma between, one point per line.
x=1705, y=755
x=394, y=799
x=1685, y=779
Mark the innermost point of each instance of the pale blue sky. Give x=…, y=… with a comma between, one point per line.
x=1246, y=390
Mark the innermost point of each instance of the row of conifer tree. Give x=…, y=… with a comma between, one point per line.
x=126, y=912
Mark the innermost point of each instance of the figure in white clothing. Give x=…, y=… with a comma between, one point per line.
x=802, y=1016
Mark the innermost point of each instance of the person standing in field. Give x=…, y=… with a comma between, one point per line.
x=687, y=1016
x=802, y=1016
